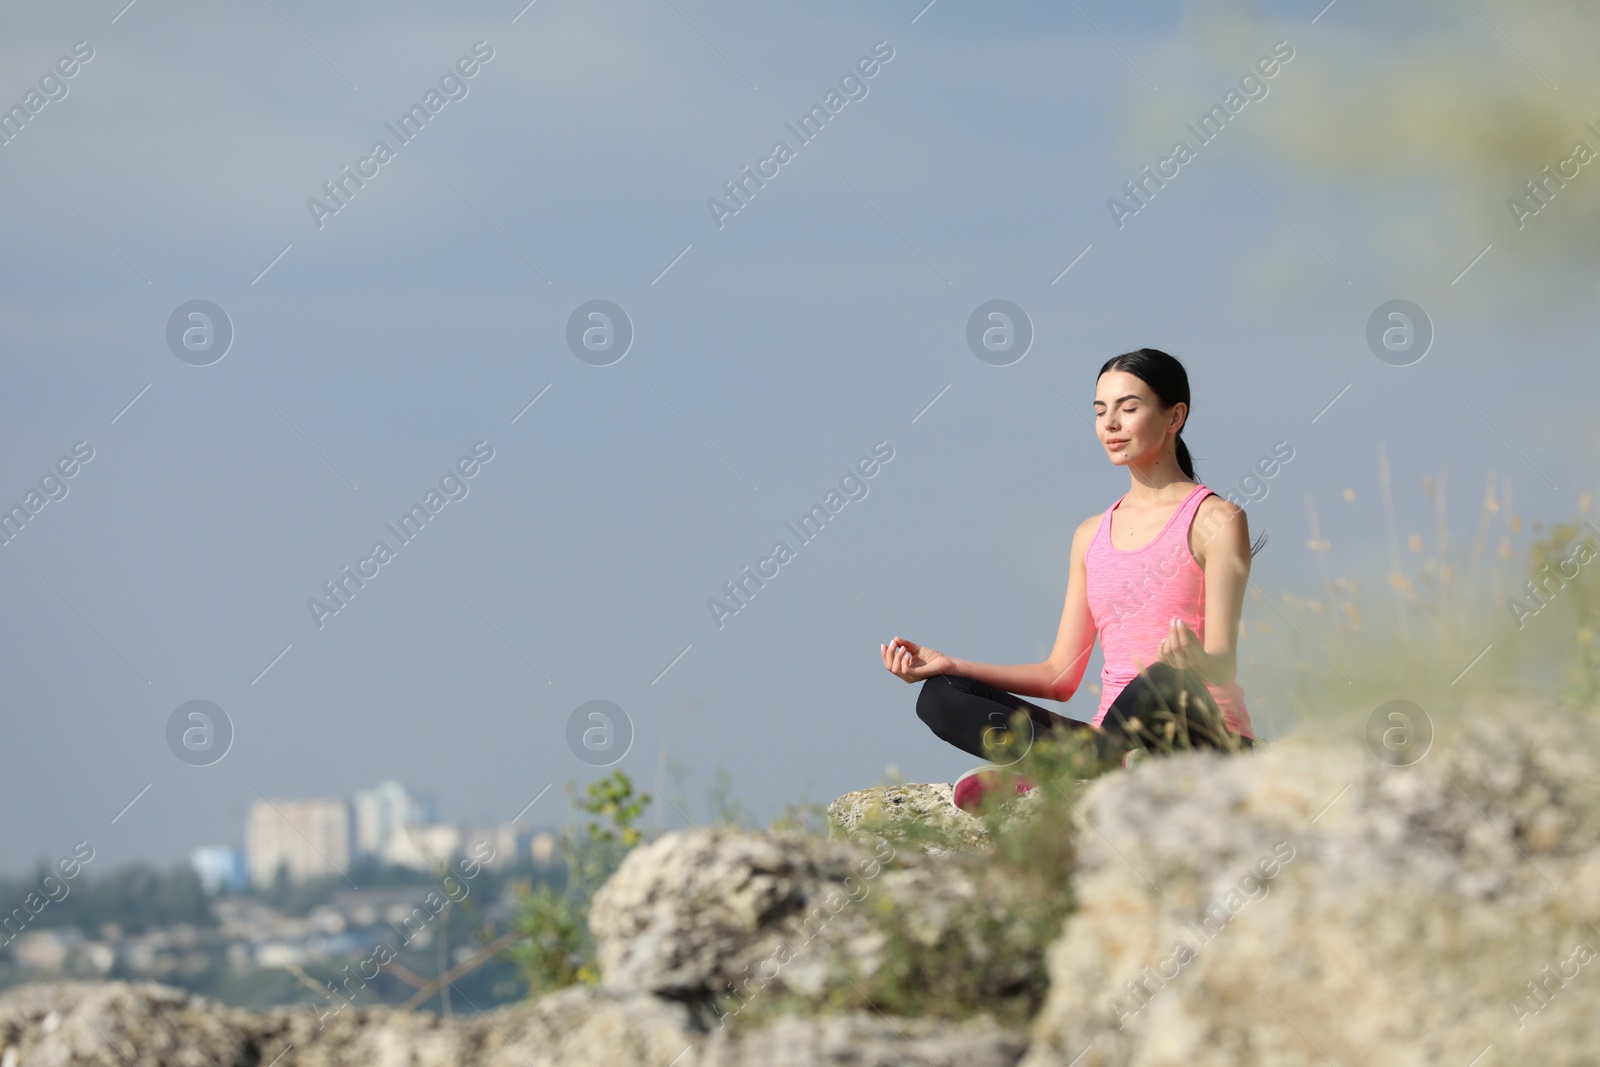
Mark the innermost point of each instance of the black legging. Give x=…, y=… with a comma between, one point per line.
x=1162, y=709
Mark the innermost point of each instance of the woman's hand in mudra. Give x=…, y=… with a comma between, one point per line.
x=1181, y=648
x=912, y=662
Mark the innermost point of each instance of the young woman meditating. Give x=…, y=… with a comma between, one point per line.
x=1160, y=576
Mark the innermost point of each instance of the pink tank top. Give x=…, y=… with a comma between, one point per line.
x=1134, y=595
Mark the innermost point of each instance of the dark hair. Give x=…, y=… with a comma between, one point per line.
x=1170, y=383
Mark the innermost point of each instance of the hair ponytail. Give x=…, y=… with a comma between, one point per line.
x=1185, y=464
x=1170, y=382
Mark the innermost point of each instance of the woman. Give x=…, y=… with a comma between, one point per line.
x=1160, y=576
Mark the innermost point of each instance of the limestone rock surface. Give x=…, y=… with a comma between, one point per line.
x=122, y=1024
x=699, y=915
x=119, y=1024
x=87, y=1024
x=886, y=807
x=868, y=1040
x=893, y=812
x=1310, y=904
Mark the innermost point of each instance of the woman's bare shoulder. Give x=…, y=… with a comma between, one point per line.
x=1216, y=517
x=1218, y=509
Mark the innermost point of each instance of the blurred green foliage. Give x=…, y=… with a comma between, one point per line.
x=1565, y=573
x=558, y=949
x=137, y=898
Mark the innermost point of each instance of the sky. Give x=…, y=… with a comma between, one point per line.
x=344, y=363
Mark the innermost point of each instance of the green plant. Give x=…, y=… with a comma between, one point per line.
x=557, y=952
x=988, y=956
x=987, y=959
x=1562, y=571
x=611, y=799
x=558, y=949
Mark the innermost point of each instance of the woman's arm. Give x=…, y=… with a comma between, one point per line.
x=1056, y=678
x=1227, y=567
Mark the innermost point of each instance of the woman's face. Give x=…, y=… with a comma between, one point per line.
x=1128, y=419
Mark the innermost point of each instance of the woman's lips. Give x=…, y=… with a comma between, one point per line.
x=1115, y=444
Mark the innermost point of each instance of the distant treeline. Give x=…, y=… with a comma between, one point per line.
x=140, y=897
x=137, y=897
x=298, y=900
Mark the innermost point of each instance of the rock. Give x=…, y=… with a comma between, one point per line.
x=923, y=813
x=728, y=916
x=583, y=1025
x=144, y=1024
x=579, y=1025
x=1308, y=904
x=689, y=914
x=887, y=808
x=867, y=1040
x=119, y=1024
x=684, y=914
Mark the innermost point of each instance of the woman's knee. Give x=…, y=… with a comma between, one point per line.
x=946, y=705
x=1166, y=680
x=933, y=702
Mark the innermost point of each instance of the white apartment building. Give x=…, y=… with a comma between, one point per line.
x=384, y=811
x=424, y=848
x=309, y=838
x=315, y=838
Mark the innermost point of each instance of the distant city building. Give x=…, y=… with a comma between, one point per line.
x=385, y=810
x=425, y=848
x=430, y=846
x=279, y=954
x=220, y=868
x=543, y=848
x=45, y=950
x=307, y=838
x=509, y=841
x=388, y=822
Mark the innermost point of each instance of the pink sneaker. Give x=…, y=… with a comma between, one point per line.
x=969, y=789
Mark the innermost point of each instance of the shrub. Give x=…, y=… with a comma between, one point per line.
x=558, y=949
x=989, y=957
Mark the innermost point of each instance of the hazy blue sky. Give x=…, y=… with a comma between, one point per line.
x=371, y=352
